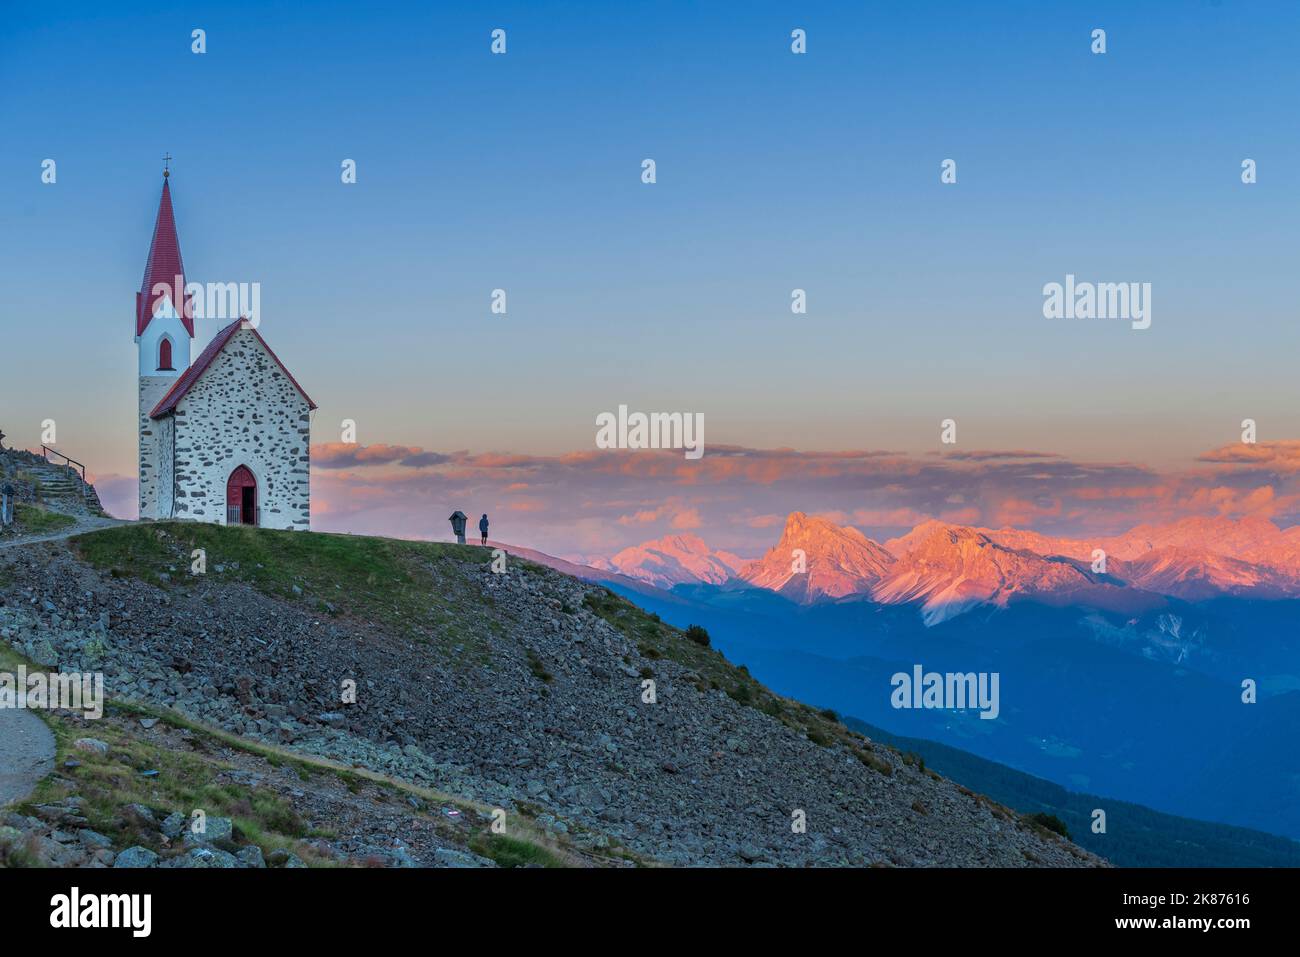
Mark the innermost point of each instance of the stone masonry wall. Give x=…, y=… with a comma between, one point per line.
x=152, y=389
x=165, y=491
x=244, y=411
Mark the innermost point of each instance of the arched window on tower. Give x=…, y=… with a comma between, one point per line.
x=165, y=356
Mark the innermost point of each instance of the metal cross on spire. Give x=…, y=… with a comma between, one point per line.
x=167, y=158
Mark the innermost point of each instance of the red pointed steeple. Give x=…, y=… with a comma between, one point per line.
x=163, y=268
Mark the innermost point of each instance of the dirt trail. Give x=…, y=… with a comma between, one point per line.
x=85, y=523
x=26, y=753
x=26, y=743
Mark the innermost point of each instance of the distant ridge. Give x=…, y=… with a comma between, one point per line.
x=947, y=570
x=674, y=560
x=1137, y=836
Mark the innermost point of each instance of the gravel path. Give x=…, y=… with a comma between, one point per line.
x=26, y=744
x=85, y=523
x=26, y=753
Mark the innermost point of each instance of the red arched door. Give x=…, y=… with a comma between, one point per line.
x=241, y=498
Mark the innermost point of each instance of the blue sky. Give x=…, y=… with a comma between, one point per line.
x=775, y=171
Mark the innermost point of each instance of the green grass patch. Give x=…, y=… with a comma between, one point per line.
x=39, y=520
x=538, y=667
x=820, y=738
x=875, y=763
x=513, y=852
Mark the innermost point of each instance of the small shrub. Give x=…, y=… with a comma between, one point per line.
x=18, y=854
x=875, y=763
x=1051, y=822
x=538, y=667
x=698, y=634
x=513, y=852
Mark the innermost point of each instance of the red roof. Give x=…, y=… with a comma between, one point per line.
x=192, y=374
x=163, y=266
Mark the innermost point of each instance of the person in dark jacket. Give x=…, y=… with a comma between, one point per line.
x=483, y=527
x=458, y=519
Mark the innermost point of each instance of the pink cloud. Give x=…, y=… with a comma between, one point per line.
x=331, y=455
x=1283, y=456
x=687, y=520
x=592, y=501
x=1020, y=513
x=527, y=505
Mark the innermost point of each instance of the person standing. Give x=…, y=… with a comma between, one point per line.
x=483, y=527
x=458, y=520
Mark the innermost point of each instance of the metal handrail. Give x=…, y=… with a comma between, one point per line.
x=45, y=453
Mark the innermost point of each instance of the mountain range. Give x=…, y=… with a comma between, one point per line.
x=945, y=570
x=1169, y=676
x=673, y=560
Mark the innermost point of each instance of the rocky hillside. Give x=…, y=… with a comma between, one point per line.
x=525, y=690
x=46, y=486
